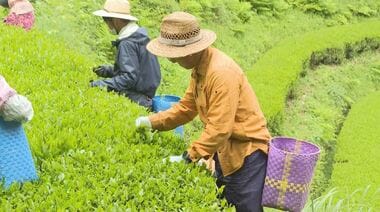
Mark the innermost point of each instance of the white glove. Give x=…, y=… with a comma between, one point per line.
x=17, y=108
x=176, y=158
x=210, y=164
x=143, y=122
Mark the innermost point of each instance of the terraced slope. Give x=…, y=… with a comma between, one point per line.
x=320, y=102
x=357, y=159
x=273, y=75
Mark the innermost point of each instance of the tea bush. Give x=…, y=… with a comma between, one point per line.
x=87, y=151
x=73, y=20
x=273, y=75
x=276, y=72
x=357, y=152
x=319, y=103
x=340, y=11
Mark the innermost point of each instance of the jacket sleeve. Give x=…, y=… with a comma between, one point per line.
x=223, y=99
x=108, y=71
x=179, y=114
x=129, y=65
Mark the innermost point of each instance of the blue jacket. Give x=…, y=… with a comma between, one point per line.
x=136, y=72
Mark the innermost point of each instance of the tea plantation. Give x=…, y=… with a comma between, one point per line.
x=313, y=64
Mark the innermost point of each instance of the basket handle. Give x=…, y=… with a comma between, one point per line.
x=297, y=146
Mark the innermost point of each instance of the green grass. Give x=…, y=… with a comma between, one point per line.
x=356, y=161
x=336, y=200
x=320, y=102
x=74, y=24
x=273, y=75
x=319, y=105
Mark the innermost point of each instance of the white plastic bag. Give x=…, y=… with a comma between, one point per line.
x=17, y=108
x=5, y=91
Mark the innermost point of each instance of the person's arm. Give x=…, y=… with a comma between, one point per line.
x=179, y=114
x=104, y=71
x=224, y=92
x=129, y=65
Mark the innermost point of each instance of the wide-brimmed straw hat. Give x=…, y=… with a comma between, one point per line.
x=180, y=36
x=116, y=9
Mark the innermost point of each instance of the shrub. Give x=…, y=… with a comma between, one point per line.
x=347, y=201
x=357, y=150
x=87, y=151
x=274, y=74
x=319, y=105
x=73, y=22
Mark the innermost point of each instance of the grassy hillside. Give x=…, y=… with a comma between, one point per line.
x=320, y=102
x=356, y=161
x=281, y=66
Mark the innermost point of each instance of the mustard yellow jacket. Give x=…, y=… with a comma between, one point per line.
x=234, y=125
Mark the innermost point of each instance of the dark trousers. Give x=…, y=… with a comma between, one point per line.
x=244, y=188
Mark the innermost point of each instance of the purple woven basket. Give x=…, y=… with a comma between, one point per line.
x=290, y=170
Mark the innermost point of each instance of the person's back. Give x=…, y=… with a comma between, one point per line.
x=149, y=77
x=250, y=121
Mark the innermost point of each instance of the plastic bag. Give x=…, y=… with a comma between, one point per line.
x=5, y=91
x=17, y=108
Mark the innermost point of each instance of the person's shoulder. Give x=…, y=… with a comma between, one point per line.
x=127, y=43
x=223, y=68
x=222, y=63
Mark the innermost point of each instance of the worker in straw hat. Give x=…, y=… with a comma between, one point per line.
x=235, y=132
x=136, y=72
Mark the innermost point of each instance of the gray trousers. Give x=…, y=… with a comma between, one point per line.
x=243, y=188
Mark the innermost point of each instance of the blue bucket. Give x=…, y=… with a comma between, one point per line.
x=16, y=162
x=164, y=102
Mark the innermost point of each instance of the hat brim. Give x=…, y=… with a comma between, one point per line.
x=103, y=13
x=163, y=50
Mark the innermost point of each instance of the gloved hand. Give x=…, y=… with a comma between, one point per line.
x=103, y=70
x=143, y=122
x=98, y=83
x=210, y=164
x=17, y=108
x=186, y=157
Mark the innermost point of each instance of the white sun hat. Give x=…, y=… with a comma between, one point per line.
x=116, y=9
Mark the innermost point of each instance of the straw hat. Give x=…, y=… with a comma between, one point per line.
x=116, y=9
x=180, y=36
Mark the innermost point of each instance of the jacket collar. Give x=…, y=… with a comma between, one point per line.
x=125, y=32
x=128, y=30
x=204, y=62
